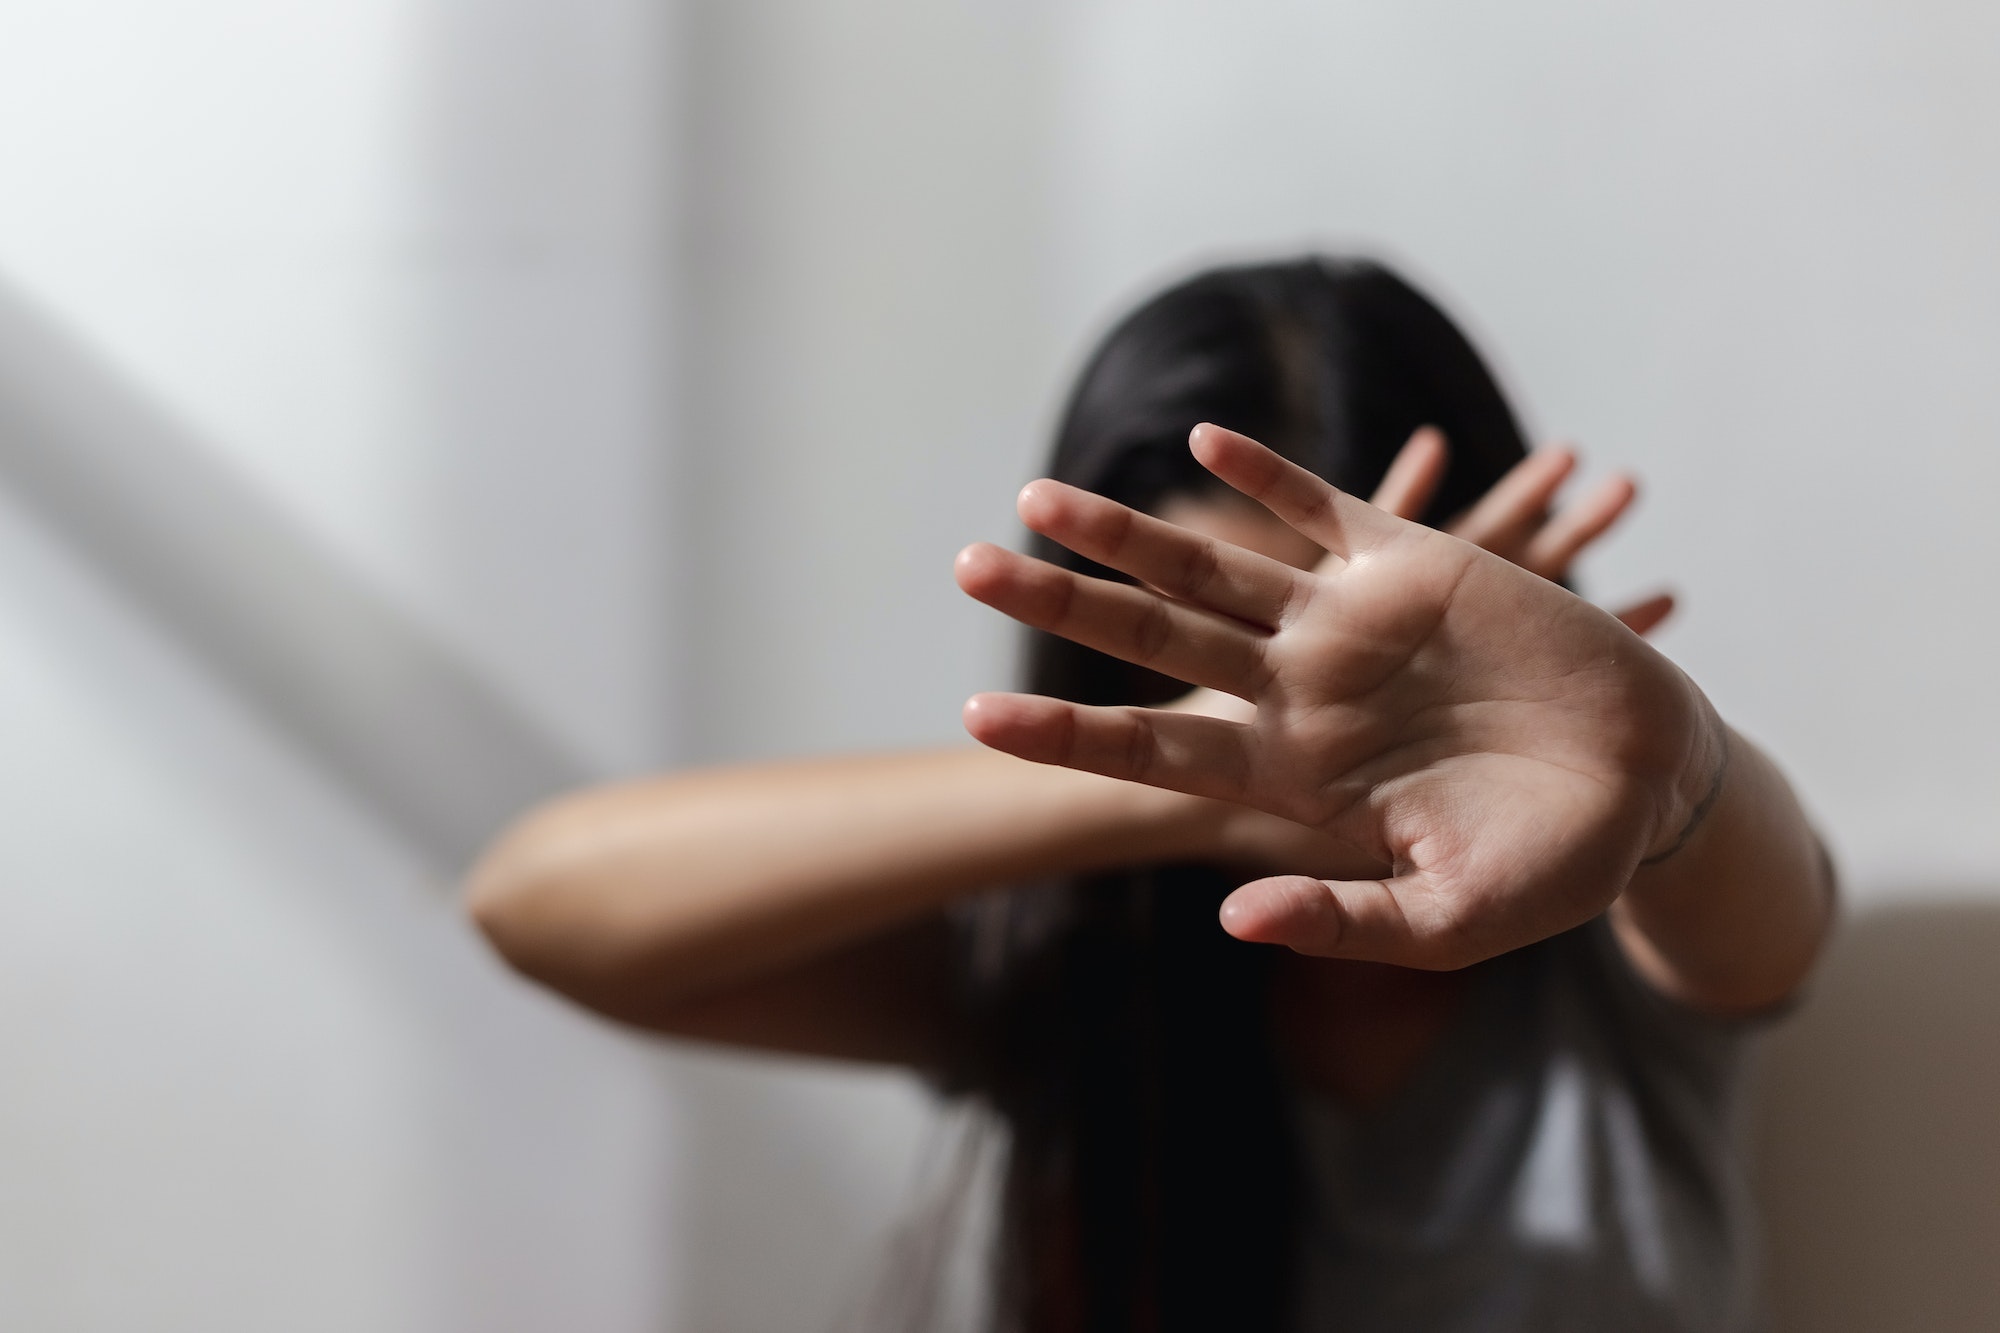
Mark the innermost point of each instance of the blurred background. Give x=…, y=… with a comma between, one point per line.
x=411, y=407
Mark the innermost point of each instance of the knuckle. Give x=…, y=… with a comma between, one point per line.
x=1140, y=749
x=1118, y=529
x=1062, y=602
x=1315, y=904
x=1152, y=633
x=1201, y=567
x=1066, y=737
x=1316, y=505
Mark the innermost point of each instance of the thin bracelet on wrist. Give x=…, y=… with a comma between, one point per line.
x=1702, y=807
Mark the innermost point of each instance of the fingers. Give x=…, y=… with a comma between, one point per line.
x=1414, y=475
x=1644, y=617
x=1341, y=523
x=1202, y=756
x=1182, y=564
x=1513, y=520
x=1508, y=515
x=1334, y=919
x=1136, y=624
x=1551, y=551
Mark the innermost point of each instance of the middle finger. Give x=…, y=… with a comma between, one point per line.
x=1185, y=565
x=1506, y=517
x=1136, y=624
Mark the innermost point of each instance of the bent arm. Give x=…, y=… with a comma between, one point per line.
x=794, y=905
x=1732, y=922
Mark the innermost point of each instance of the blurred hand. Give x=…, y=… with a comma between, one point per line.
x=1517, y=520
x=1508, y=750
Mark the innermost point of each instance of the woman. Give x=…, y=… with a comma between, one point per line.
x=1530, y=882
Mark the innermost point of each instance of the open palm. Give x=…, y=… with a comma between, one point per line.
x=1511, y=751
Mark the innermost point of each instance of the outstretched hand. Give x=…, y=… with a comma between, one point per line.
x=1510, y=751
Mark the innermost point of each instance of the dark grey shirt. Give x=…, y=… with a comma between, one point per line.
x=1566, y=1158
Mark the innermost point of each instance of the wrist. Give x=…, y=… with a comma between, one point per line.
x=1697, y=786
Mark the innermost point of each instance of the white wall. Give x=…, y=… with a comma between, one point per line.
x=351, y=309
x=870, y=343
x=644, y=365
x=867, y=348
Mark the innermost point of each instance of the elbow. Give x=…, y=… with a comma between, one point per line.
x=553, y=912
x=514, y=894
x=492, y=904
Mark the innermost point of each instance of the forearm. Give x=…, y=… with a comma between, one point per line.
x=1732, y=921
x=657, y=891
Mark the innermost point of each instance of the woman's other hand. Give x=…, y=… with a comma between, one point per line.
x=1518, y=520
x=1510, y=751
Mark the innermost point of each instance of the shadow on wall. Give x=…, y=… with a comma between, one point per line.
x=1878, y=1130
x=412, y=731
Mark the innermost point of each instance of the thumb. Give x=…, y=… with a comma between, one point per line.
x=1362, y=919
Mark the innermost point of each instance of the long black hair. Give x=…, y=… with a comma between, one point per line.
x=1152, y=1181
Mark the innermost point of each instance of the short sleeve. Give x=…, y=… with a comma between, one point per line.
x=1685, y=1068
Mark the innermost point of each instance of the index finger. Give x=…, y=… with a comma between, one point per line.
x=1344, y=524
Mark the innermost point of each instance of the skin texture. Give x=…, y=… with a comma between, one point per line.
x=795, y=906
